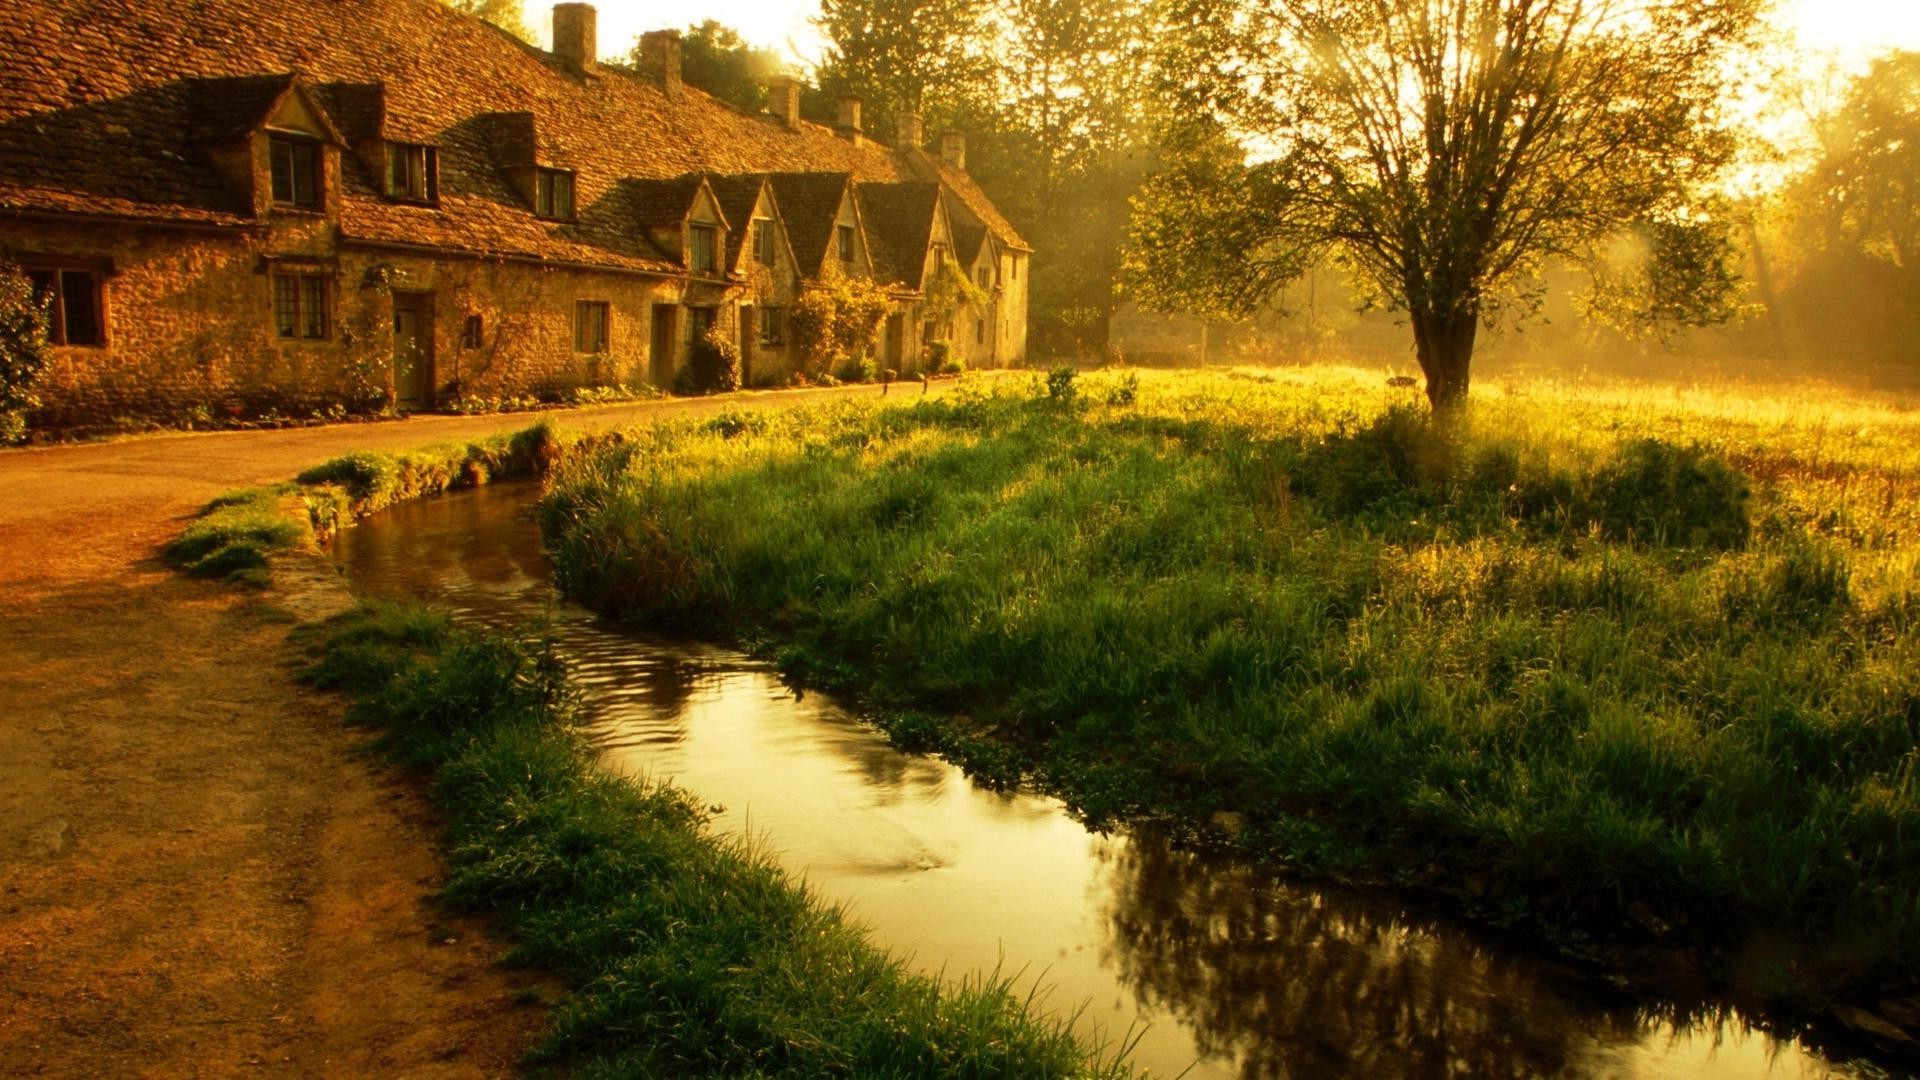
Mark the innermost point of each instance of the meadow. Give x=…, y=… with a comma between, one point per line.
x=1613, y=662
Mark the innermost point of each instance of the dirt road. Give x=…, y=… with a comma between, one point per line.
x=199, y=873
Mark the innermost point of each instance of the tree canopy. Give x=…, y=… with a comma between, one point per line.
x=715, y=58
x=1441, y=151
x=508, y=15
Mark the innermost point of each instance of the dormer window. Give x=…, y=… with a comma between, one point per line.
x=763, y=241
x=413, y=172
x=701, y=242
x=295, y=164
x=985, y=277
x=553, y=194
x=845, y=234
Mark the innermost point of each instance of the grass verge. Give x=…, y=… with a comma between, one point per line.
x=1636, y=664
x=688, y=954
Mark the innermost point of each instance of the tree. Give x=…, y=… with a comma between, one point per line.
x=508, y=15
x=23, y=350
x=1442, y=151
x=715, y=58
x=900, y=56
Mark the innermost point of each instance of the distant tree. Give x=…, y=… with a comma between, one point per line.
x=715, y=58
x=1442, y=149
x=898, y=56
x=508, y=15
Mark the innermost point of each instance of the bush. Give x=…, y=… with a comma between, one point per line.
x=23, y=351
x=1656, y=492
x=713, y=367
x=1060, y=386
x=856, y=369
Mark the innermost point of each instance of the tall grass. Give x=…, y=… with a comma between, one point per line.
x=688, y=955
x=1641, y=661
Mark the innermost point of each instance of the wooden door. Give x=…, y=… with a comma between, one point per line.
x=749, y=337
x=660, y=355
x=413, y=351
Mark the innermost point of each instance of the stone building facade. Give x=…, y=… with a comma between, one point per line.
x=249, y=205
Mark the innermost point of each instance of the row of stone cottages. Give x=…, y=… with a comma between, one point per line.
x=255, y=205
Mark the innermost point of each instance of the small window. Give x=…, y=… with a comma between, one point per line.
x=295, y=165
x=1014, y=266
x=763, y=241
x=590, y=326
x=845, y=234
x=73, y=299
x=413, y=172
x=772, y=324
x=985, y=277
x=553, y=194
x=700, y=320
x=700, y=247
x=473, y=335
x=301, y=306
x=979, y=331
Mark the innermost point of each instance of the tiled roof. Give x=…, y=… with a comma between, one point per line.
x=808, y=203
x=101, y=110
x=737, y=196
x=899, y=222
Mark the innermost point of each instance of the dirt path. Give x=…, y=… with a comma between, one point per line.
x=199, y=874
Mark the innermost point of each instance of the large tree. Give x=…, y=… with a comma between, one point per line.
x=715, y=58
x=508, y=15
x=1441, y=150
x=898, y=56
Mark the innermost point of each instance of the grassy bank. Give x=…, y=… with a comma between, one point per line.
x=1639, y=660
x=688, y=955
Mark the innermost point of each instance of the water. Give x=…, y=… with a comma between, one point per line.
x=1219, y=970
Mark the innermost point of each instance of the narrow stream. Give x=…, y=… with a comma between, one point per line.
x=1219, y=970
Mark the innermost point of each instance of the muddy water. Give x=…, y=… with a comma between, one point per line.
x=1216, y=970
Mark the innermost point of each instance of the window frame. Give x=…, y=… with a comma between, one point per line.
x=428, y=158
x=703, y=258
x=762, y=239
x=473, y=334
x=773, y=324
x=581, y=343
x=844, y=240
x=546, y=191
x=302, y=305
x=315, y=172
x=49, y=282
x=700, y=319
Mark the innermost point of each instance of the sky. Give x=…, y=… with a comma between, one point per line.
x=1852, y=30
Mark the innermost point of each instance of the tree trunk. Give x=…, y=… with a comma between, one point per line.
x=1443, y=340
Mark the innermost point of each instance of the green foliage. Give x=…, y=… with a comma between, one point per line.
x=508, y=15
x=715, y=58
x=1060, y=385
x=1532, y=653
x=833, y=321
x=23, y=351
x=713, y=365
x=236, y=533
x=686, y=953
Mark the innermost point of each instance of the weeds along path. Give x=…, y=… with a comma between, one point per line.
x=199, y=873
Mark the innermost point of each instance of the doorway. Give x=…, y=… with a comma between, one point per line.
x=749, y=324
x=660, y=352
x=413, y=351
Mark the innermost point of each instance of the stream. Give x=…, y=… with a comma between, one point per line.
x=1214, y=968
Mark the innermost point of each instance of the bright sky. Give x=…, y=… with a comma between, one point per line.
x=1852, y=29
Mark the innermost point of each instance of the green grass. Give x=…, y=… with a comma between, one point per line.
x=1598, y=658
x=687, y=954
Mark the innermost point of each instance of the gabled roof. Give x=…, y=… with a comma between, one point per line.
x=737, y=196
x=663, y=204
x=899, y=218
x=809, y=202
x=102, y=111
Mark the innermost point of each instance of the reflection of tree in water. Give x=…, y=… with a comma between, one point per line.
x=1297, y=983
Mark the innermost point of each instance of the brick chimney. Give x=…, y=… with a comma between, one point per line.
x=783, y=99
x=953, y=149
x=849, y=123
x=660, y=58
x=574, y=39
x=911, y=132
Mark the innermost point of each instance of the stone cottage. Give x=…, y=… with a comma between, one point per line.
x=249, y=205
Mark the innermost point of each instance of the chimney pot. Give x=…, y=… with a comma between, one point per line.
x=912, y=132
x=783, y=99
x=574, y=38
x=953, y=149
x=660, y=58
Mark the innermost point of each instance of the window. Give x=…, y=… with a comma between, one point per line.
x=986, y=277
x=763, y=241
x=1013, y=265
x=979, y=331
x=590, y=326
x=553, y=194
x=296, y=172
x=73, y=299
x=772, y=323
x=700, y=245
x=300, y=305
x=939, y=254
x=699, y=321
x=845, y=234
x=413, y=172
x=472, y=335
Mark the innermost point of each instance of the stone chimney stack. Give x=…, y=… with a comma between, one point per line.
x=574, y=38
x=660, y=58
x=953, y=149
x=911, y=133
x=849, y=124
x=783, y=99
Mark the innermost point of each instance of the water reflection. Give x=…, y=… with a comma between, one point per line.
x=1230, y=973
